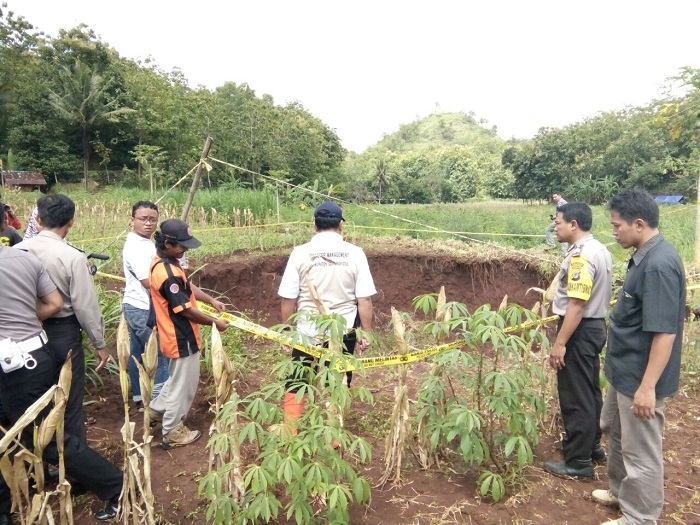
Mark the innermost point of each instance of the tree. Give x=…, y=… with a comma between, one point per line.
x=18, y=42
x=81, y=99
x=150, y=158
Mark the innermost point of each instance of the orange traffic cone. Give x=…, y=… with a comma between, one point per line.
x=293, y=407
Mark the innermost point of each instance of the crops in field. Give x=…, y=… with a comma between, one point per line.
x=249, y=220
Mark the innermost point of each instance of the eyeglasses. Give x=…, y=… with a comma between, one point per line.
x=147, y=220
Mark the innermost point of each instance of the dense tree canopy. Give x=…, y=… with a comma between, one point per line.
x=72, y=108
x=72, y=100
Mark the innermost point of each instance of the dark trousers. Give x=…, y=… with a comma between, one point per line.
x=64, y=335
x=578, y=383
x=18, y=391
x=297, y=378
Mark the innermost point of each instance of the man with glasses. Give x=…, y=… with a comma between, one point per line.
x=137, y=255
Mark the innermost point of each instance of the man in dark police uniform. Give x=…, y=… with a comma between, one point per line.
x=581, y=301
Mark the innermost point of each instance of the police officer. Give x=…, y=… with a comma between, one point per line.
x=581, y=301
x=28, y=296
x=69, y=270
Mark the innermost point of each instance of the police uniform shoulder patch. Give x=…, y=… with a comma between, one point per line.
x=174, y=288
x=580, y=282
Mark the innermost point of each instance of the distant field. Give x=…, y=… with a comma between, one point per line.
x=220, y=219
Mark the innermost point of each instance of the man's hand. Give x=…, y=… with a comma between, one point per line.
x=363, y=343
x=103, y=355
x=220, y=307
x=556, y=356
x=221, y=324
x=644, y=403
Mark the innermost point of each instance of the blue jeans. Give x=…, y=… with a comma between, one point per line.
x=139, y=334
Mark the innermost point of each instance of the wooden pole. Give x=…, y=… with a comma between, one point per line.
x=195, y=181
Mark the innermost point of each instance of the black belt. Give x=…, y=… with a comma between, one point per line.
x=53, y=321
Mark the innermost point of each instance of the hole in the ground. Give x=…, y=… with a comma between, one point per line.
x=251, y=281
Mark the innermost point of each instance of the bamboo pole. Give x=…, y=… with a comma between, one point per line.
x=197, y=176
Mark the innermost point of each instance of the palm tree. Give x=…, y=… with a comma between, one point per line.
x=82, y=99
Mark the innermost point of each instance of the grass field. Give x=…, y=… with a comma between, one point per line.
x=254, y=220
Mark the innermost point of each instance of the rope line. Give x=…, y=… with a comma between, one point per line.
x=387, y=214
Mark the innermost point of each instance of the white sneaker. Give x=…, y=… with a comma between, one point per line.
x=605, y=497
x=613, y=522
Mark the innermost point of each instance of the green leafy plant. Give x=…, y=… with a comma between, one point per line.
x=311, y=476
x=481, y=405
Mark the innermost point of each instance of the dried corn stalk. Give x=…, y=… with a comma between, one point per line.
x=395, y=440
x=548, y=388
x=442, y=313
x=222, y=370
x=136, y=499
x=18, y=469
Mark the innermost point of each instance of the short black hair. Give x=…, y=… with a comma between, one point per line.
x=160, y=240
x=327, y=223
x=579, y=212
x=55, y=210
x=143, y=204
x=3, y=217
x=634, y=203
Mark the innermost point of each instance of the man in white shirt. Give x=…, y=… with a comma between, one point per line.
x=340, y=273
x=137, y=256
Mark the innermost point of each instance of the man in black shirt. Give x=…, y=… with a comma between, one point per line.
x=643, y=360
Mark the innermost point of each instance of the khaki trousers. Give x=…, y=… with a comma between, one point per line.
x=635, y=458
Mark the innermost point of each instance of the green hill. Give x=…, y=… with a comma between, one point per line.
x=439, y=130
x=444, y=157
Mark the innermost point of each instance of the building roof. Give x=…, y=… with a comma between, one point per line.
x=23, y=178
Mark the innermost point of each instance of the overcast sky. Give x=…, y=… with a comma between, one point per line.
x=366, y=67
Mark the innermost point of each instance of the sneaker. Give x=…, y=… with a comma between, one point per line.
x=618, y=521
x=109, y=512
x=605, y=497
x=180, y=436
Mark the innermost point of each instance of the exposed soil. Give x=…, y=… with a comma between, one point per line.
x=251, y=282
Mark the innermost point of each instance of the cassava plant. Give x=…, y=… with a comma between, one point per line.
x=308, y=476
x=481, y=404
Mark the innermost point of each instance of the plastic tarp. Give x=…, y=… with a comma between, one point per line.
x=670, y=199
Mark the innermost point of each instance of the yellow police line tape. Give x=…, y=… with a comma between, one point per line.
x=364, y=362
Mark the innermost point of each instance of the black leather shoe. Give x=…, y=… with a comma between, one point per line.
x=598, y=454
x=6, y=519
x=573, y=469
x=109, y=512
